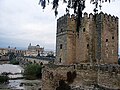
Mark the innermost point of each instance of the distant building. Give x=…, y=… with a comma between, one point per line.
x=4, y=60
x=48, y=53
x=3, y=51
x=34, y=50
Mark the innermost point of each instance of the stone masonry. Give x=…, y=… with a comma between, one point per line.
x=96, y=41
x=88, y=77
x=85, y=60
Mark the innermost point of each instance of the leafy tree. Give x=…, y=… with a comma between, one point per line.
x=33, y=71
x=3, y=78
x=77, y=5
x=14, y=62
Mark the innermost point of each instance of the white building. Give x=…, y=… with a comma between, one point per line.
x=34, y=50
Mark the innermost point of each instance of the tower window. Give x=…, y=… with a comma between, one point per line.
x=87, y=46
x=60, y=46
x=112, y=37
x=60, y=60
x=61, y=30
x=106, y=40
x=83, y=29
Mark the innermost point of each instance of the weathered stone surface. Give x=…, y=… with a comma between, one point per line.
x=96, y=41
x=85, y=76
x=92, y=53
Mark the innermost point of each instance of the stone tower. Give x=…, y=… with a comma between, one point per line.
x=85, y=41
x=65, y=40
x=96, y=41
x=106, y=39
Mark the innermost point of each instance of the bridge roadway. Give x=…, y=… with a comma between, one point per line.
x=38, y=60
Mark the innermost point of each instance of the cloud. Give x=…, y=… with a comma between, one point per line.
x=24, y=21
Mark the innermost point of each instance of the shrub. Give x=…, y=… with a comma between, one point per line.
x=14, y=62
x=33, y=71
x=3, y=79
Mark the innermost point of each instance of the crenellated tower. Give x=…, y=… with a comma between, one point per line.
x=85, y=41
x=65, y=39
x=96, y=41
x=106, y=39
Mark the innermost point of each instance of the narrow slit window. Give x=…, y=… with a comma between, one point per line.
x=87, y=46
x=112, y=37
x=83, y=29
x=60, y=46
x=61, y=30
x=60, y=60
x=106, y=40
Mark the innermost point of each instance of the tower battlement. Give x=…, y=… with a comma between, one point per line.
x=106, y=17
x=88, y=16
x=91, y=16
x=65, y=22
x=63, y=17
x=110, y=18
x=66, y=17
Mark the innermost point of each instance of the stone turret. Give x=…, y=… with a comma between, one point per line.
x=65, y=39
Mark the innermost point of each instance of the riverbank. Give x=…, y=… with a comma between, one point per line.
x=22, y=84
x=18, y=83
x=9, y=68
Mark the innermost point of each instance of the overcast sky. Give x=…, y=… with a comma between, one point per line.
x=24, y=21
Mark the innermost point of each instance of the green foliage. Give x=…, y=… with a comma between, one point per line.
x=14, y=62
x=3, y=79
x=76, y=5
x=33, y=71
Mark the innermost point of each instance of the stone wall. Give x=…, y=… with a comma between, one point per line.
x=109, y=39
x=87, y=76
x=25, y=60
x=109, y=76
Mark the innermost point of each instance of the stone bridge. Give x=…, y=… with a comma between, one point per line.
x=38, y=60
